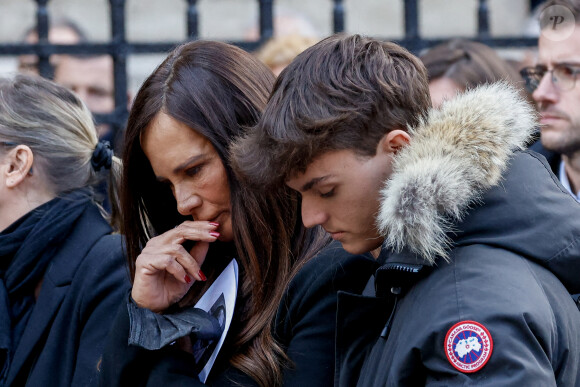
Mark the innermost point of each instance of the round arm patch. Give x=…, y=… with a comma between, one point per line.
x=468, y=346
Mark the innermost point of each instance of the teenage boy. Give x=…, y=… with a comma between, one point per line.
x=478, y=242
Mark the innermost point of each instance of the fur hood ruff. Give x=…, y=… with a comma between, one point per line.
x=457, y=153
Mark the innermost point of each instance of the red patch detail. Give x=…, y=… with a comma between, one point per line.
x=468, y=346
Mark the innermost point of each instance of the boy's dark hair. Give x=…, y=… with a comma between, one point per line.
x=345, y=92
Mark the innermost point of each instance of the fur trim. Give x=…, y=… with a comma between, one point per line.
x=456, y=154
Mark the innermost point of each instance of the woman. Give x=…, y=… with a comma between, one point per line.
x=181, y=186
x=61, y=269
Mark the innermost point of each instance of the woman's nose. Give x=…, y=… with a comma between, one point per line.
x=187, y=201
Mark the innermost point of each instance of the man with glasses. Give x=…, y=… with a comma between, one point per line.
x=553, y=82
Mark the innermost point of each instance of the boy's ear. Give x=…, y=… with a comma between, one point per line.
x=18, y=165
x=394, y=140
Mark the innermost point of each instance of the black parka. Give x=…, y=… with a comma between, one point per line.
x=495, y=309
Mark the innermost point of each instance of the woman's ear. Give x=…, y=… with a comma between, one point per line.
x=393, y=141
x=18, y=165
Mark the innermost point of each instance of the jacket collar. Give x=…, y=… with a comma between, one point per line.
x=398, y=272
x=455, y=155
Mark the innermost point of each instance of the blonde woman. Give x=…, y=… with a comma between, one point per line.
x=61, y=268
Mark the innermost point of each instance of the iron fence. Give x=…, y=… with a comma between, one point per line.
x=120, y=49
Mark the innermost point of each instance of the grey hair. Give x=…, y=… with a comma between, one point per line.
x=58, y=128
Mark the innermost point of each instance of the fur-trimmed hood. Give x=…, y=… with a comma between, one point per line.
x=458, y=153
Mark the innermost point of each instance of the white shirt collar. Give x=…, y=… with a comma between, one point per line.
x=565, y=182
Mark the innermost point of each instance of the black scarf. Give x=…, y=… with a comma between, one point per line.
x=26, y=249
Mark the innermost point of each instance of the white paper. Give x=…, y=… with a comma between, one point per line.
x=219, y=301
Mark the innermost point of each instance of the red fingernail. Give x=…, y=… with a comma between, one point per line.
x=214, y=234
x=214, y=224
x=187, y=279
x=202, y=276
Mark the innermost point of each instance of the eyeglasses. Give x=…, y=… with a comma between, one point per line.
x=8, y=143
x=563, y=76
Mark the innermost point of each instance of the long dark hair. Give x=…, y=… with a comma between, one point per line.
x=220, y=90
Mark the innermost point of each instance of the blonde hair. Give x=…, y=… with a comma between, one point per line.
x=58, y=128
x=281, y=50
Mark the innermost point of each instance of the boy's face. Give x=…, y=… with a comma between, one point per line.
x=341, y=192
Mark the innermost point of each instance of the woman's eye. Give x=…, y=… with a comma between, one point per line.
x=327, y=194
x=193, y=171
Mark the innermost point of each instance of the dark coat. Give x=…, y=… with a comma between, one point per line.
x=495, y=310
x=553, y=158
x=304, y=326
x=533, y=322
x=81, y=290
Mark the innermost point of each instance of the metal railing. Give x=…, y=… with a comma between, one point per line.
x=120, y=49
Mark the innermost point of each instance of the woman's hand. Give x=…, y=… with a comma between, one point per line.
x=164, y=271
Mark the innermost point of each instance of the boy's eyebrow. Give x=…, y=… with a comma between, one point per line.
x=312, y=183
